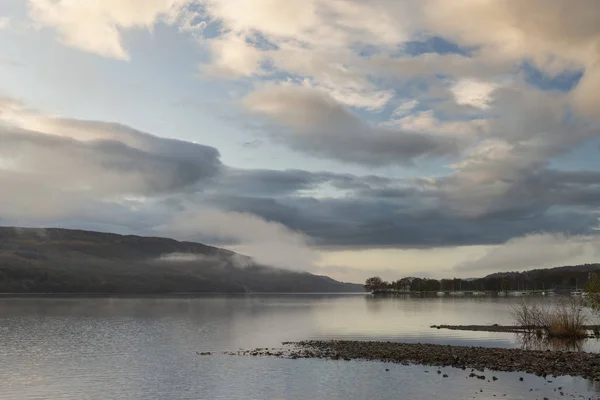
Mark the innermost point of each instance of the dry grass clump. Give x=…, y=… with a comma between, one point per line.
x=566, y=320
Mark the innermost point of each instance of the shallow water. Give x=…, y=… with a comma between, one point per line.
x=145, y=348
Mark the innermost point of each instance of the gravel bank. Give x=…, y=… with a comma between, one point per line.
x=541, y=363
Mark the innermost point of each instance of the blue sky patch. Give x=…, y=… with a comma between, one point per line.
x=564, y=82
x=434, y=44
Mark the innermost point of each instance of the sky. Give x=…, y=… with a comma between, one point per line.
x=351, y=138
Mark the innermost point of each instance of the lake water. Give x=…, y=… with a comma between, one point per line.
x=145, y=348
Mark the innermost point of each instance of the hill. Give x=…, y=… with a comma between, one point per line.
x=76, y=261
x=559, y=278
x=566, y=270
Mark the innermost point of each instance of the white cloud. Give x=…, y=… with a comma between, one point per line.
x=233, y=57
x=404, y=108
x=474, y=93
x=553, y=34
x=359, y=96
x=269, y=243
x=425, y=122
x=314, y=23
x=313, y=40
x=95, y=26
x=542, y=250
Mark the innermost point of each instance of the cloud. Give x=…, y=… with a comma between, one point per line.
x=96, y=26
x=440, y=86
x=5, y=22
x=585, y=95
x=269, y=183
x=62, y=171
x=346, y=47
x=407, y=218
x=404, y=108
x=473, y=93
x=555, y=36
x=233, y=57
x=313, y=41
x=68, y=172
x=223, y=261
x=540, y=250
x=57, y=171
x=313, y=23
x=314, y=123
x=103, y=158
x=425, y=122
x=507, y=169
x=268, y=243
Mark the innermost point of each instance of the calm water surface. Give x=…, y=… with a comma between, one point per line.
x=141, y=348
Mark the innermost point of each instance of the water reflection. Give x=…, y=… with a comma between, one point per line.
x=533, y=341
x=146, y=348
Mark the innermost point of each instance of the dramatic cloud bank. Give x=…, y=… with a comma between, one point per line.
x=435, y=124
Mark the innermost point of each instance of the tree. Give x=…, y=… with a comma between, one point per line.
x=415, y=285
x=374, y=283
x=405, y=283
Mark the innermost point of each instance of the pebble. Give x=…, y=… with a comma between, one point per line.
x=541, y=363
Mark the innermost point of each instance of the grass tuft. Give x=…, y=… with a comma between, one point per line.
x=567, y=320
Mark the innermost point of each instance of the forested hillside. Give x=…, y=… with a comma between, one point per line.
x=75, y=261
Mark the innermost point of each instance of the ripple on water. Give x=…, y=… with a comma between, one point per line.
x=146, y=348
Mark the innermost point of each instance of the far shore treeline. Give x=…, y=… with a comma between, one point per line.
x=558, y=279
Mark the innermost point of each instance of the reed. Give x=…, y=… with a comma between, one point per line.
x=566, y=320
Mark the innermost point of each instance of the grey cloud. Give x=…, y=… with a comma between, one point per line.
x=380, y=211
x=526, y=193
x=94, y=175
x=374, y=212
x=110, y=165
x=276, y=183
x=32, y=200
x=507, y=171
x=267, y=182
x=312, y=122
x=356, y=222
x=84, y=176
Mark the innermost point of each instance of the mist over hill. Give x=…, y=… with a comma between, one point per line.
x=76, y=261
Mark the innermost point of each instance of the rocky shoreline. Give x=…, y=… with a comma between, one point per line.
x=541, y=363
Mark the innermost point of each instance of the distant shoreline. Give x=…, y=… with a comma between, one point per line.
x=169, y=295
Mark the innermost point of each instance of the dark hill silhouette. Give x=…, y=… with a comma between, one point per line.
x=76, y=261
